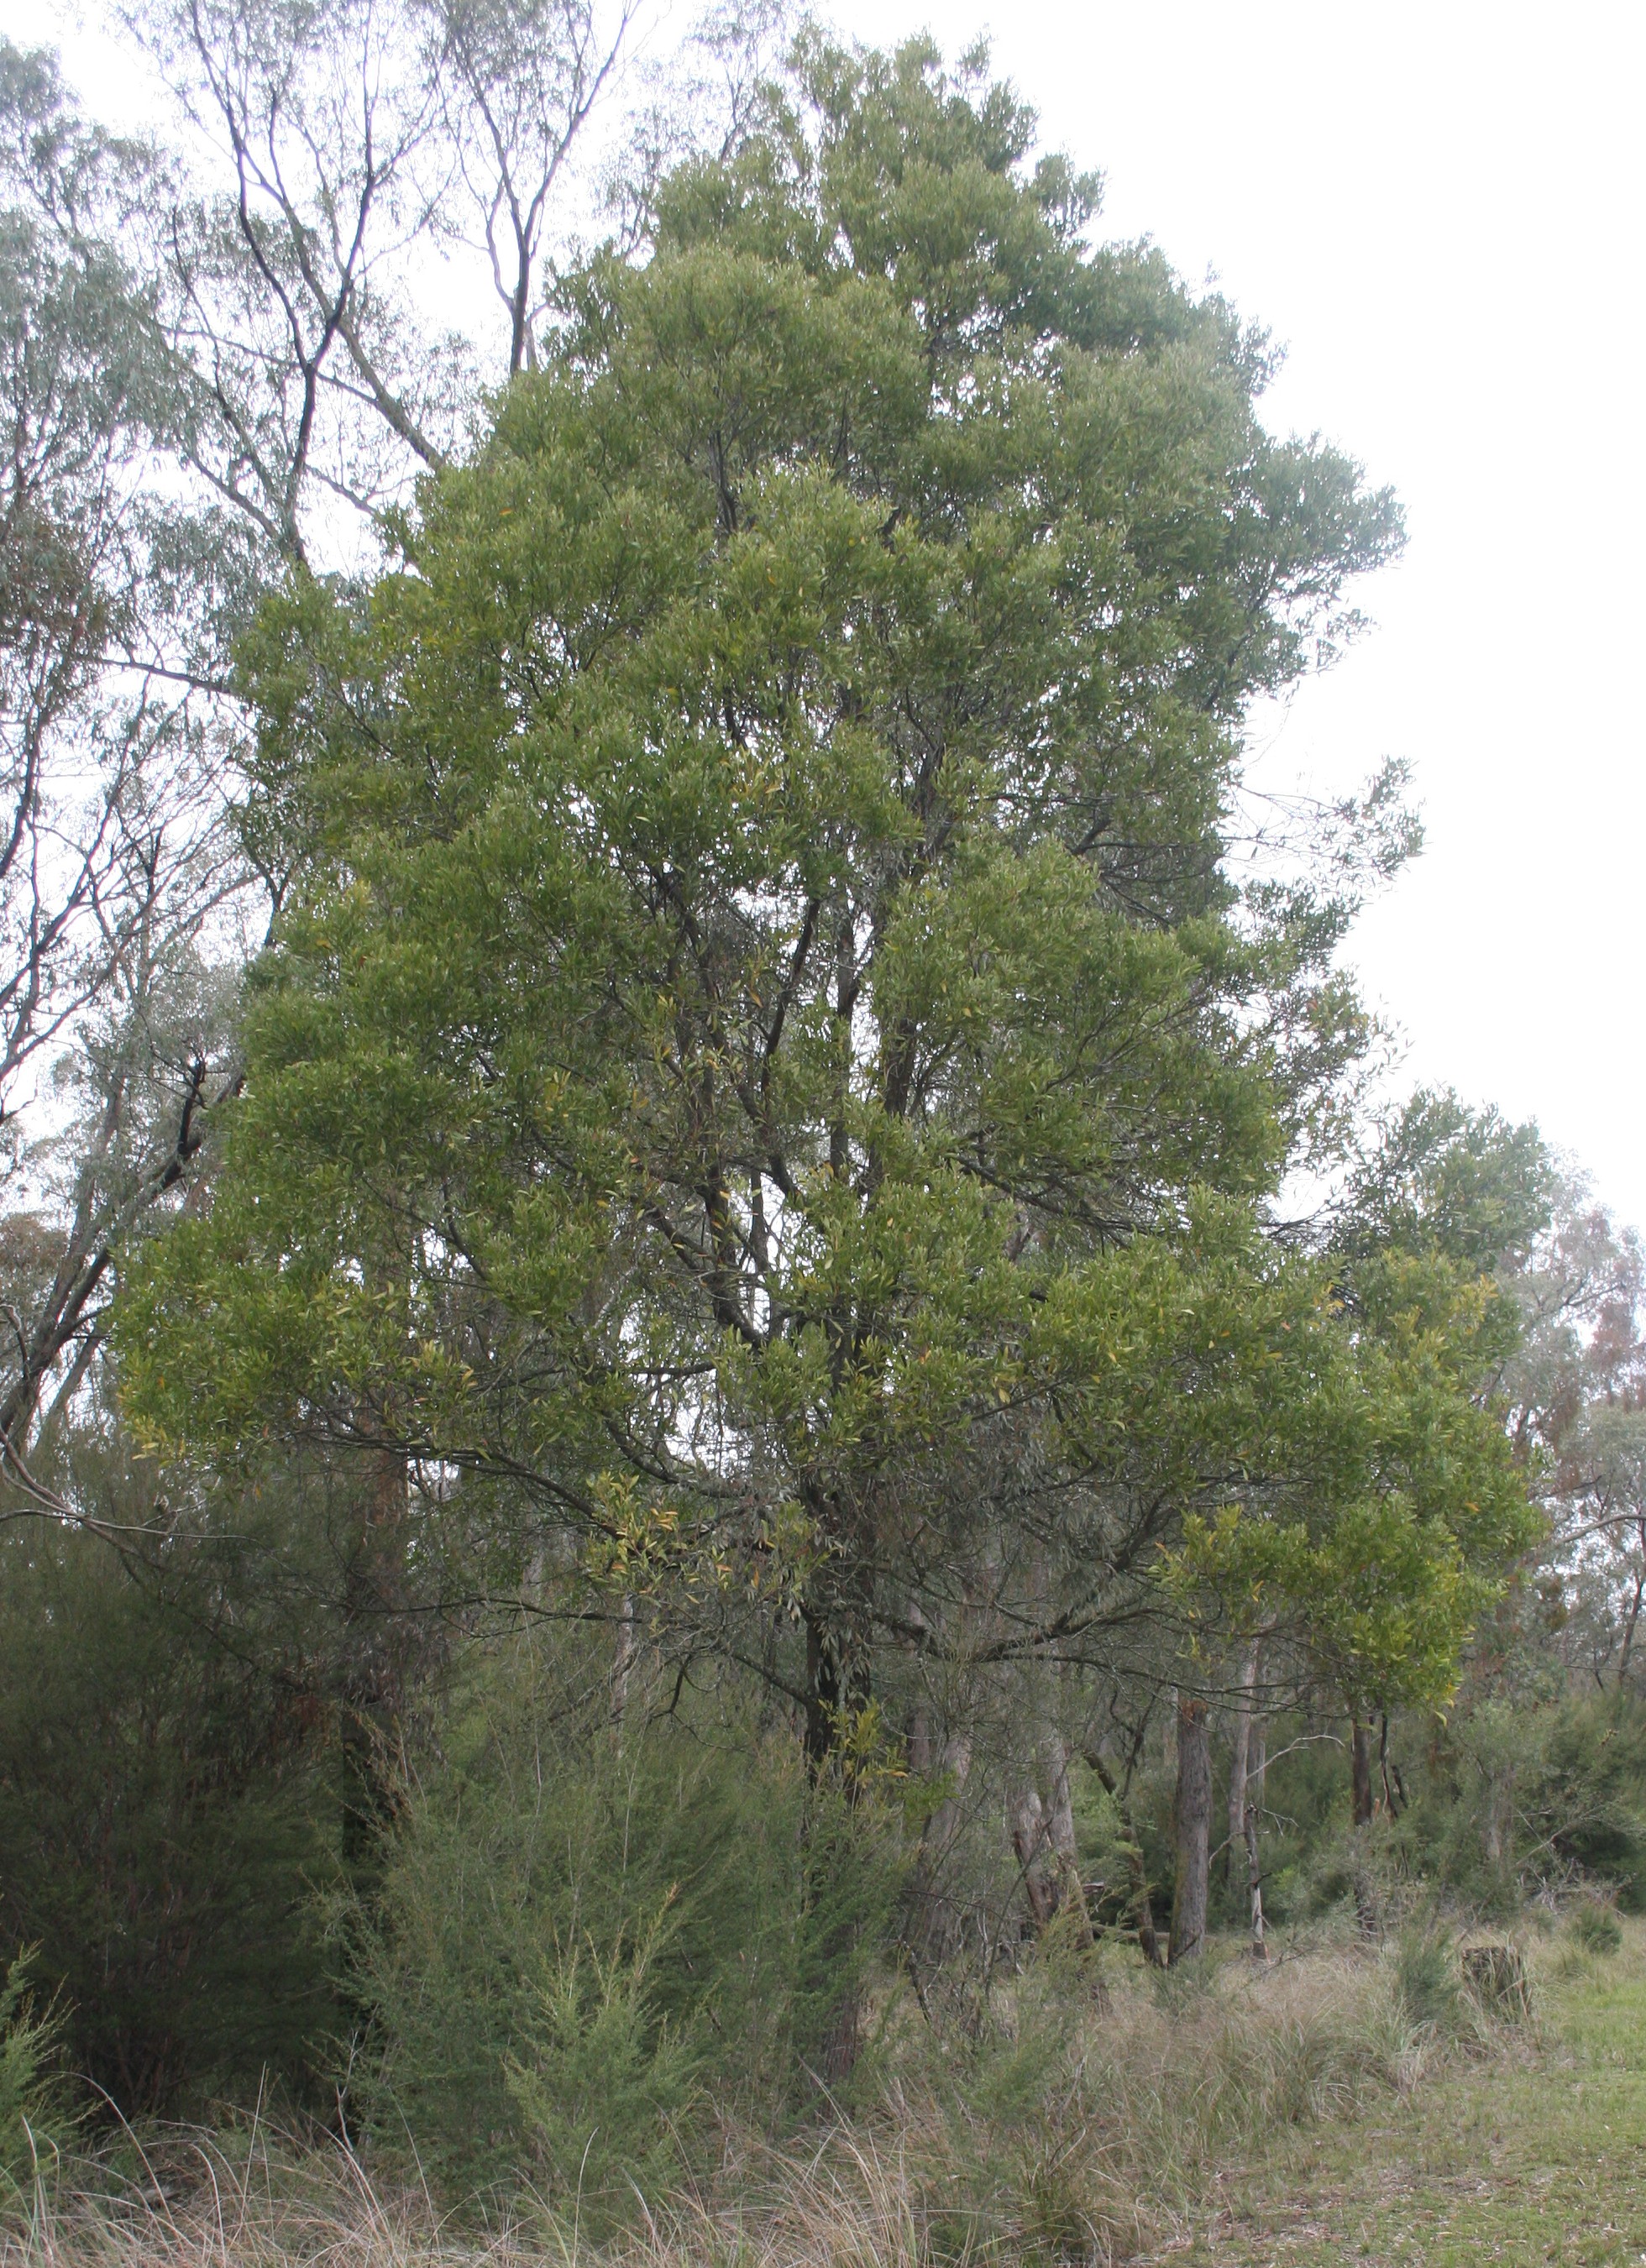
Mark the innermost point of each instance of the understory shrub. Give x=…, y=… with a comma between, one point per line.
x=1595, y=1928
x=594, y=1940
x=34, y=2118
x=1428, y=1980
x=166, y=1819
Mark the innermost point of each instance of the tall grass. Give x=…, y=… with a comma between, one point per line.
x=1075, y=2129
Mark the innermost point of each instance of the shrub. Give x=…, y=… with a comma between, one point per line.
x=162, y=1818
x=603, y=2084
x=1595, y=1928
x=1429, y=1980
x=32, y=2118
x=589, y=1941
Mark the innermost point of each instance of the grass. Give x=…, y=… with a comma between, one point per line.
x=1531, y=2153
x=1303, y=2113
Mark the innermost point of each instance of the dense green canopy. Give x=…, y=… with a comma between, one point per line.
x=764, y=1063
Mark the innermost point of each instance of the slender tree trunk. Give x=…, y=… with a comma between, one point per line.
x=838, y=1684
x=934, y=1935
x=1058, y=1756
x=1193, y=1817
x=1631, y=1621
x=1254, y=1883
x=1244, y=1791
x=373, y=1682
x=918, y=1744
x=1361, y=1805
x=1238, y=1768
x=1388, y=1773
x=1032, y=1842
x=1361, y=1774
x=623, y=1662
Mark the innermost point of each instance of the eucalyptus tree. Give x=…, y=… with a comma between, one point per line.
x=115, y=860
x=218, y=360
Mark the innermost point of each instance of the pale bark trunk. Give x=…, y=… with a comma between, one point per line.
x=1070, y=1891
x=1254, y=1883
x=623, y=1664
x=1238, y=1768
x=1031, y=1841
x=1360, y=1806
x=1360, y=1774
x=1243, y=1815
x=935, y=1931
x=1193, y=1811
x=1631, y=1622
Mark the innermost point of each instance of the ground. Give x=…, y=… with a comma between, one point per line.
x=1534, y=2155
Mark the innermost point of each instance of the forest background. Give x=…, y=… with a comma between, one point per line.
x=711, y=1309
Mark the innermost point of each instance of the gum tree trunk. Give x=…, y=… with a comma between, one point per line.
x=1238, y=1768
x=1194, y=1815
x=1361, y=1805
x=1254, y=1883
x=1032, y=1842
x=1361, y=1774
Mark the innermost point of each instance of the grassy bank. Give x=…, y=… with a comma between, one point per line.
x=1533, y=2152
x=1341, y=2105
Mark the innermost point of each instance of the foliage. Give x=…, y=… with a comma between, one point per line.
x=1595, y=1928
x=761, y=959
x=589, y=1937
x=756, y=1143
x=34, y=2122
x=166, y=1814
x=1429, y=1979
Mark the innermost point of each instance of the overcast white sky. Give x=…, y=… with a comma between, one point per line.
x=1438, y=210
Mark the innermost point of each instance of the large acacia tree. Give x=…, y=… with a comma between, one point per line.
x=766, y=1066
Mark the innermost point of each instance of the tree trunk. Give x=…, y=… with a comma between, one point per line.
x=1238, y=1768
x=839, y=1685
x=1631, y=1622
x=1031, y=1841
x=374, y=1678
x=1361, y=1807
x=935, y=1934
x=1058, y=1755
x=1361, y=1774
x=623, y=1662
x=1254, y=1883
x=1194, y=1819
x=1389, y=1772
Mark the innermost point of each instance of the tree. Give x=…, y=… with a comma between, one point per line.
x=215, y=358
x=763, y=957
x=1577, y=1387
x=115, y=864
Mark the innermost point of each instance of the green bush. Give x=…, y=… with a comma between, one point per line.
x=1595, y=1928
x=587, y=1941
x=165, y=1816
x=1429, y=1980
x=32, y=2118
x=604, y=2086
